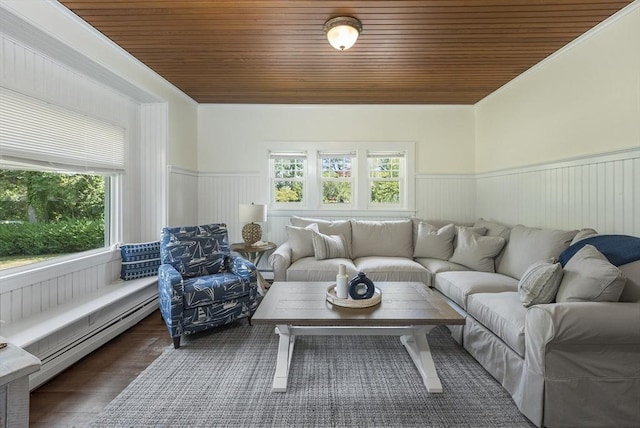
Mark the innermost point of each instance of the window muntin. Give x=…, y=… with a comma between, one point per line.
x=288, y=178
x=337, y=173
x=386, y=176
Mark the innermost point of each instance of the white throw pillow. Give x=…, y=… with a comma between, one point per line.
x=476, y=252
x=301, y=241
x=528, y=245
x=328, y=246
x=589, y=277
x=539, y=284
x=434, y=243
x=328, y=227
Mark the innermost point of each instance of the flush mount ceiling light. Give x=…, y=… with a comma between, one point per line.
x=342, y=31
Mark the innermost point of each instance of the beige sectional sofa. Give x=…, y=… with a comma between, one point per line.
x=574, y=361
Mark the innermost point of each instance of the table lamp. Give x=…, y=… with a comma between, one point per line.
x=250, y=214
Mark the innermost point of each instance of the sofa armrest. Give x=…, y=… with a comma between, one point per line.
x=280, y=260
x=607, y=330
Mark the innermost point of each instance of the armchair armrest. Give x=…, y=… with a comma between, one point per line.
x=280, y=260
x=241, y=267
x=603, y=330
x=170, y=291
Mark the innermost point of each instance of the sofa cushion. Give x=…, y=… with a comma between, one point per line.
x=631, y=292
x=195, y=250
x=528, y=245
x=310, y=269
x=205, y=290
x=503, y=314
x=583, y=234
x=392, y=238
x=392, y=269
x=495, y=229
x=336, y=227
x=539, y=284
x=301, y=240
x=458, y=285
x=589, y=277
x=329, y=246
x=436, y=265
x=476, y=252
x=433, y=242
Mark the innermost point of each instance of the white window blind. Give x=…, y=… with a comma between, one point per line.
x=37, y=132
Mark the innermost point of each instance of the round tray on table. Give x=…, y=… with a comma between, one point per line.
x=352, y=303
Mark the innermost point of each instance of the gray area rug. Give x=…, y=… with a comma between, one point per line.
x=222, y=378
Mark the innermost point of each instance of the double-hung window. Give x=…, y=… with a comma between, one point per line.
x=337, y=178
x=288, y=176
x=334, y=176
x=386, y=178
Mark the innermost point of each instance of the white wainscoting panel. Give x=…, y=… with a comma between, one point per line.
x=183, y=197
x=446, y=197
x=220, y=195
x=28, y=293
x=601, y=192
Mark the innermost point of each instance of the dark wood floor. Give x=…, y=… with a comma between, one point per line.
x=77, y=395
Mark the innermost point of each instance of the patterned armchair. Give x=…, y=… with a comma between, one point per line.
x=200, y=284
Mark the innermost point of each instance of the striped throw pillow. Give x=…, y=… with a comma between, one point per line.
x=539, y=284
x=329, y=246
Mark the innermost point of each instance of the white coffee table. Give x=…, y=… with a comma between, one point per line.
x=408, y=310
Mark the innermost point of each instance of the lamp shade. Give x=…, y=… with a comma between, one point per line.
x=252, y=213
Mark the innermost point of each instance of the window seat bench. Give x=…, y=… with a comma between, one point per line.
x=61, y=335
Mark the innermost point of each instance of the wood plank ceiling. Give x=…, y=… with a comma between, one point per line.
x=274, y=51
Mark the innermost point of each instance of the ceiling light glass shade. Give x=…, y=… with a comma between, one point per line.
x=342, y=31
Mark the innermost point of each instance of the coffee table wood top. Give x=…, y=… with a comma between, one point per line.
x=403, y=303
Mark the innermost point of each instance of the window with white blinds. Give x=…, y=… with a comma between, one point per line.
x=36, y=132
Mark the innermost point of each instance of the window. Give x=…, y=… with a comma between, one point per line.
x=350, y=176
x=385, y=177
x=56, y=175
x=288, y=178
x=337, y=178
x=49, y=214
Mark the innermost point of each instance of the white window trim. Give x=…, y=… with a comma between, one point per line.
x=312, y=198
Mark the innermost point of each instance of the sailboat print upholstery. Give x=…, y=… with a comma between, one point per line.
x=201, y=285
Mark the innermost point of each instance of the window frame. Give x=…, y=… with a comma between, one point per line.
x=401, y=179
x=312, y=200
x=352, y=180
x=273, y=156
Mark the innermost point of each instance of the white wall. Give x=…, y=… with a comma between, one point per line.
x=233, y=165
x=559, y=146
x=61, y=24
x=229, y=134
x=583, y=100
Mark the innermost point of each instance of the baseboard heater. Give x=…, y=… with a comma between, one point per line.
x=65, y=356
x=63, y=334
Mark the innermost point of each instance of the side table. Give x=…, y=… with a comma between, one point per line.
x=253, y=253
x=15, y=367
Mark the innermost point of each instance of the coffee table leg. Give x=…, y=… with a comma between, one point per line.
x=285, y=351
x=418, y=348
